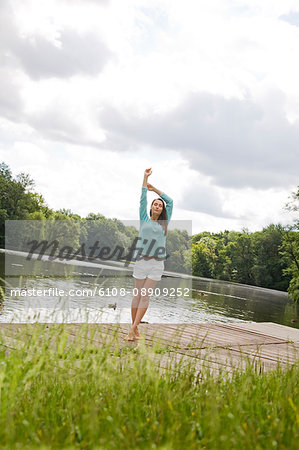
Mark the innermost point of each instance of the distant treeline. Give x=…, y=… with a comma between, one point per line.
x=267, y=258
x=250, y=258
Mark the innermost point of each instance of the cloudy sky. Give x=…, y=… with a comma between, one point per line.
x=205, y=92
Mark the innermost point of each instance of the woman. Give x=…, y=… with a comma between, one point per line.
x=149, y=265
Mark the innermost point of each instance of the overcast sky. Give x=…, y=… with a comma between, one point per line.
x=206, y=93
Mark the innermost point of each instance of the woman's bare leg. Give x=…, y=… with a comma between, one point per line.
x=134, y=307
x=143, y=303
x=136, y=299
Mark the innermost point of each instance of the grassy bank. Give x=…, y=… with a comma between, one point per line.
x=57, y=395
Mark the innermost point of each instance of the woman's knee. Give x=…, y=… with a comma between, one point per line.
x=135, y=302
x=144, y=300
x=137, y=297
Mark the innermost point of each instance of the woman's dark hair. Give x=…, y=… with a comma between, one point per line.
x=163, y=216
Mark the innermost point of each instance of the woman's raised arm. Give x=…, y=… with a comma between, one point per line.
x=147, y=173
x=143, y=200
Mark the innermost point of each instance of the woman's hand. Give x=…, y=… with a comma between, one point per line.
x=148, y=172
x=150, y=187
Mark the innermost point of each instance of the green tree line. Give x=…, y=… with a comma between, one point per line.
x=243, y=257
x=267, y=258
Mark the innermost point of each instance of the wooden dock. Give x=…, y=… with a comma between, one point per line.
x=217, y=346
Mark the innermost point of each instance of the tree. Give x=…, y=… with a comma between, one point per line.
x=269, y=266
x=204, y=257
x=241, y=255
x=290, y=247
x=178, y=246
x=17, y=201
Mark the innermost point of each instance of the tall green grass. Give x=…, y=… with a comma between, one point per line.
x=55, y=393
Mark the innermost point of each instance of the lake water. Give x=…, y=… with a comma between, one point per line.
x=103, y=294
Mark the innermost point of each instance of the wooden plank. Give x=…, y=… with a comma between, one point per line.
x=270, y=329
x=216, y=334
x=286, y=353
x=230, y=358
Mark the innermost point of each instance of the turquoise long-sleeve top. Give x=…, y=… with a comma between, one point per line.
x=152, y=240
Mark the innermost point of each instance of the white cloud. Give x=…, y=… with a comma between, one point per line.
x=237, y=143
x=11, y=102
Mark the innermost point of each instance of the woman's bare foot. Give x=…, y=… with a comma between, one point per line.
x=137, y=334
x=130, y=336
x=138, y=337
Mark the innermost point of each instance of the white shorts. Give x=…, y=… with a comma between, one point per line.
x=151, y=268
